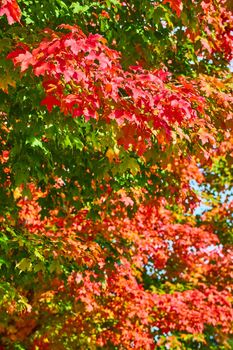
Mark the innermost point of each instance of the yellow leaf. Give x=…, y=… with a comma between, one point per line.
x=5, y=81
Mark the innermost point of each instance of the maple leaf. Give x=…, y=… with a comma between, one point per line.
x=206, y=137
x=11, y=9
x=176, y=5
x=22, y=57
x=40, y=69
x=50, y=101
x=5, y=81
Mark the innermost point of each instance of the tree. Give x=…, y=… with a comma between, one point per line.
x=110, y=112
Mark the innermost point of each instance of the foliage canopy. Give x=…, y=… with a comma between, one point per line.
x=116, y=124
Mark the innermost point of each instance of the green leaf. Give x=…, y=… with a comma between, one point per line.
x=3, y=262
x=35, y=142
x=39, y=267
x=77, y=8
x=24, y=265
x=38, y=255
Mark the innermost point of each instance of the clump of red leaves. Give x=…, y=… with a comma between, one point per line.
x=112, y=303
x=83, y=76
x=11, y=9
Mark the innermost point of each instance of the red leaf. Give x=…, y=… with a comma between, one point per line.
x=12, y=11
x=176, y=5
x=21, y=57
x=50, y=101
